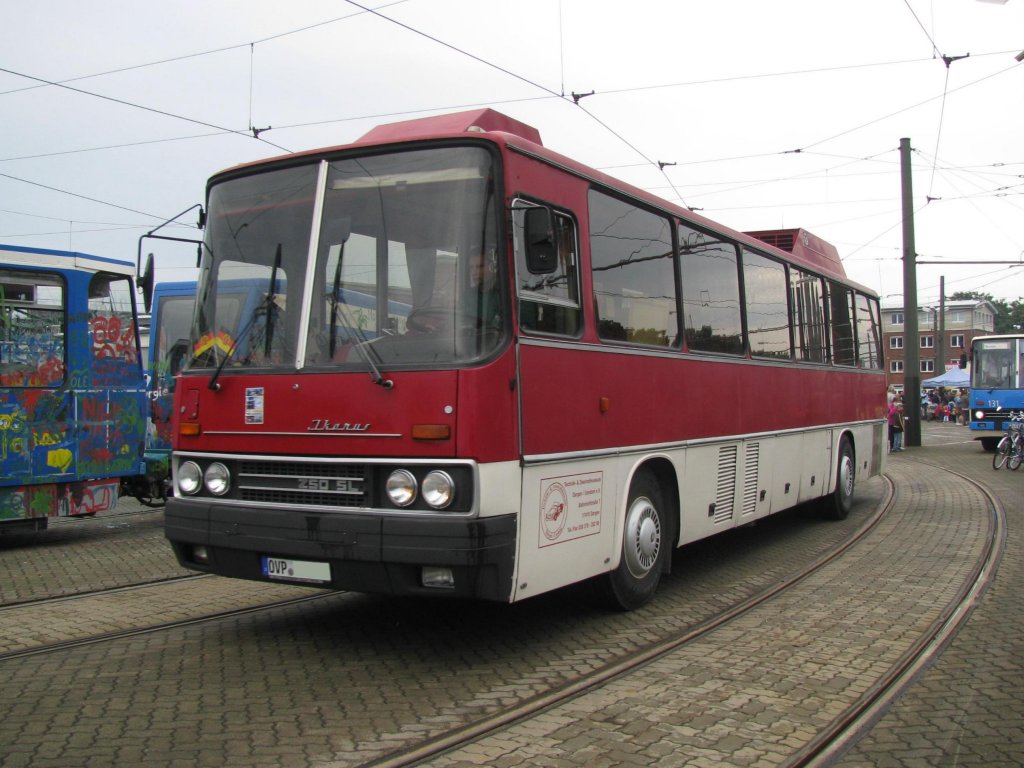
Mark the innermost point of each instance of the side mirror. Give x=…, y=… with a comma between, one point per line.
x=176, y=358
x=146, y=283
x=541, y=255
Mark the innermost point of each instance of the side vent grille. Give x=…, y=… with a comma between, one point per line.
x=726, y=491
x=750, y=478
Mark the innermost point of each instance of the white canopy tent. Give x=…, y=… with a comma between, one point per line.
x=954, y=377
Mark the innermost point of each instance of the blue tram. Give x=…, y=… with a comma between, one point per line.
x=72, y=391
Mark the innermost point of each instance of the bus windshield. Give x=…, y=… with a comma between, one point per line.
x=384, y=260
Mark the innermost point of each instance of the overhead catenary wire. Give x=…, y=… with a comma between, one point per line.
x=550, y=93
x=134, y=105
x=198, y=54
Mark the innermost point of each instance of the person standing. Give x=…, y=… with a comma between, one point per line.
x=898, y=426
x=891, y=420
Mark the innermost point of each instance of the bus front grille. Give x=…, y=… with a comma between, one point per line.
x=303, y=483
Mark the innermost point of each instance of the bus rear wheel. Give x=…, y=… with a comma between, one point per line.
x=644, y=546
x=839, y=503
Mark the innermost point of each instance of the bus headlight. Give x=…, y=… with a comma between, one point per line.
x=979, y=415
x=401, y=488
x=190, y=478
x=217, y=479
x=438, y=489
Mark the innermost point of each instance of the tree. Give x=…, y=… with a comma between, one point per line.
x=1009, y=316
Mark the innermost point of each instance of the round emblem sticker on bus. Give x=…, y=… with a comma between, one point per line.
x=553, y=511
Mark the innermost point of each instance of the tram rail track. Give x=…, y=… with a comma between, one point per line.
x=35, y=602
x=102, y=637
x=491, y=725
x=423, y=746
x=831, y=741
x=846, y=729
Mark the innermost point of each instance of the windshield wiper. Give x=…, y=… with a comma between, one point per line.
x=266, y=306
x=363, y=347
x=335, y=298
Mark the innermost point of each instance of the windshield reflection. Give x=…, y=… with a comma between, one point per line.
x=405, y=271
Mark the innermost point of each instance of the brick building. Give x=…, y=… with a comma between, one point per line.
x=941, y=343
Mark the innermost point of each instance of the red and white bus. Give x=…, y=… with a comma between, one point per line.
x=481, y=369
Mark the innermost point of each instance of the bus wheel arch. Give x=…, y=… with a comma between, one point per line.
x=648, y=537
x=837, y=504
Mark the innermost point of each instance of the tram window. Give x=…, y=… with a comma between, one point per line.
x=633, y=270
x=549, y=302
x=764, y=288
x=808, y=316
x=841, y=315
x=868, y=346
x=112, y=328
x=711, y=292
x=32, y=331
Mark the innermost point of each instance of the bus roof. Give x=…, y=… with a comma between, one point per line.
x=799, y=246
x=802, y=243
x=473, y=121
x=990, y=336
x=45, y=257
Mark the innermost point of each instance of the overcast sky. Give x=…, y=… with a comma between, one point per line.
x=770, y=114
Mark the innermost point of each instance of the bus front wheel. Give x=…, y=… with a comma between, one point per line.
x=644, y=546
x=839, y=503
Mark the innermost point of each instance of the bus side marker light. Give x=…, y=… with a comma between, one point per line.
x=604, y=404
x=431, y=432
x=437, y=577
x=190, y=429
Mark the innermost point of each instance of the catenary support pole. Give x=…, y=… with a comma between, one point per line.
x=911, y=338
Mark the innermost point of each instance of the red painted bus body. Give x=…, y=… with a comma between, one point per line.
x=581, y=432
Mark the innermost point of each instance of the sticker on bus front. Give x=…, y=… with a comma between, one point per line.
x=296, y=570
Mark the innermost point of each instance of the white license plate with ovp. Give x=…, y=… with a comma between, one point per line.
x=296, y=570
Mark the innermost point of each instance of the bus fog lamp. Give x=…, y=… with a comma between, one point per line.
x=190, y=478
x=217, y=479
x=200, y=554
x=437, y=577
x=401, y=488
x=438, y=489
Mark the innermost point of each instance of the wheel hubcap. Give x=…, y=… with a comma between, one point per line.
x=846, y=476
x=642, y=538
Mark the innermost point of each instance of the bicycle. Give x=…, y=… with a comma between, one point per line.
x=1010, y=450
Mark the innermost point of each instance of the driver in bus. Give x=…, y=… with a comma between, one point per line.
x=483, y=289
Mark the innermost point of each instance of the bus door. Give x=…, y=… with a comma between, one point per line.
x=568, y=506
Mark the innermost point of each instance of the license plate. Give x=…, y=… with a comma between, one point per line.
x=296, y=570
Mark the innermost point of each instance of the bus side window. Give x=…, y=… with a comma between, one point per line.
x=844, y=345
x=633, y=266
x=548, y=287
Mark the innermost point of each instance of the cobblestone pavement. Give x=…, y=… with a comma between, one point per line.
x=968, y=708
x=343, y=680
x=756, y=691
x=73, y=555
